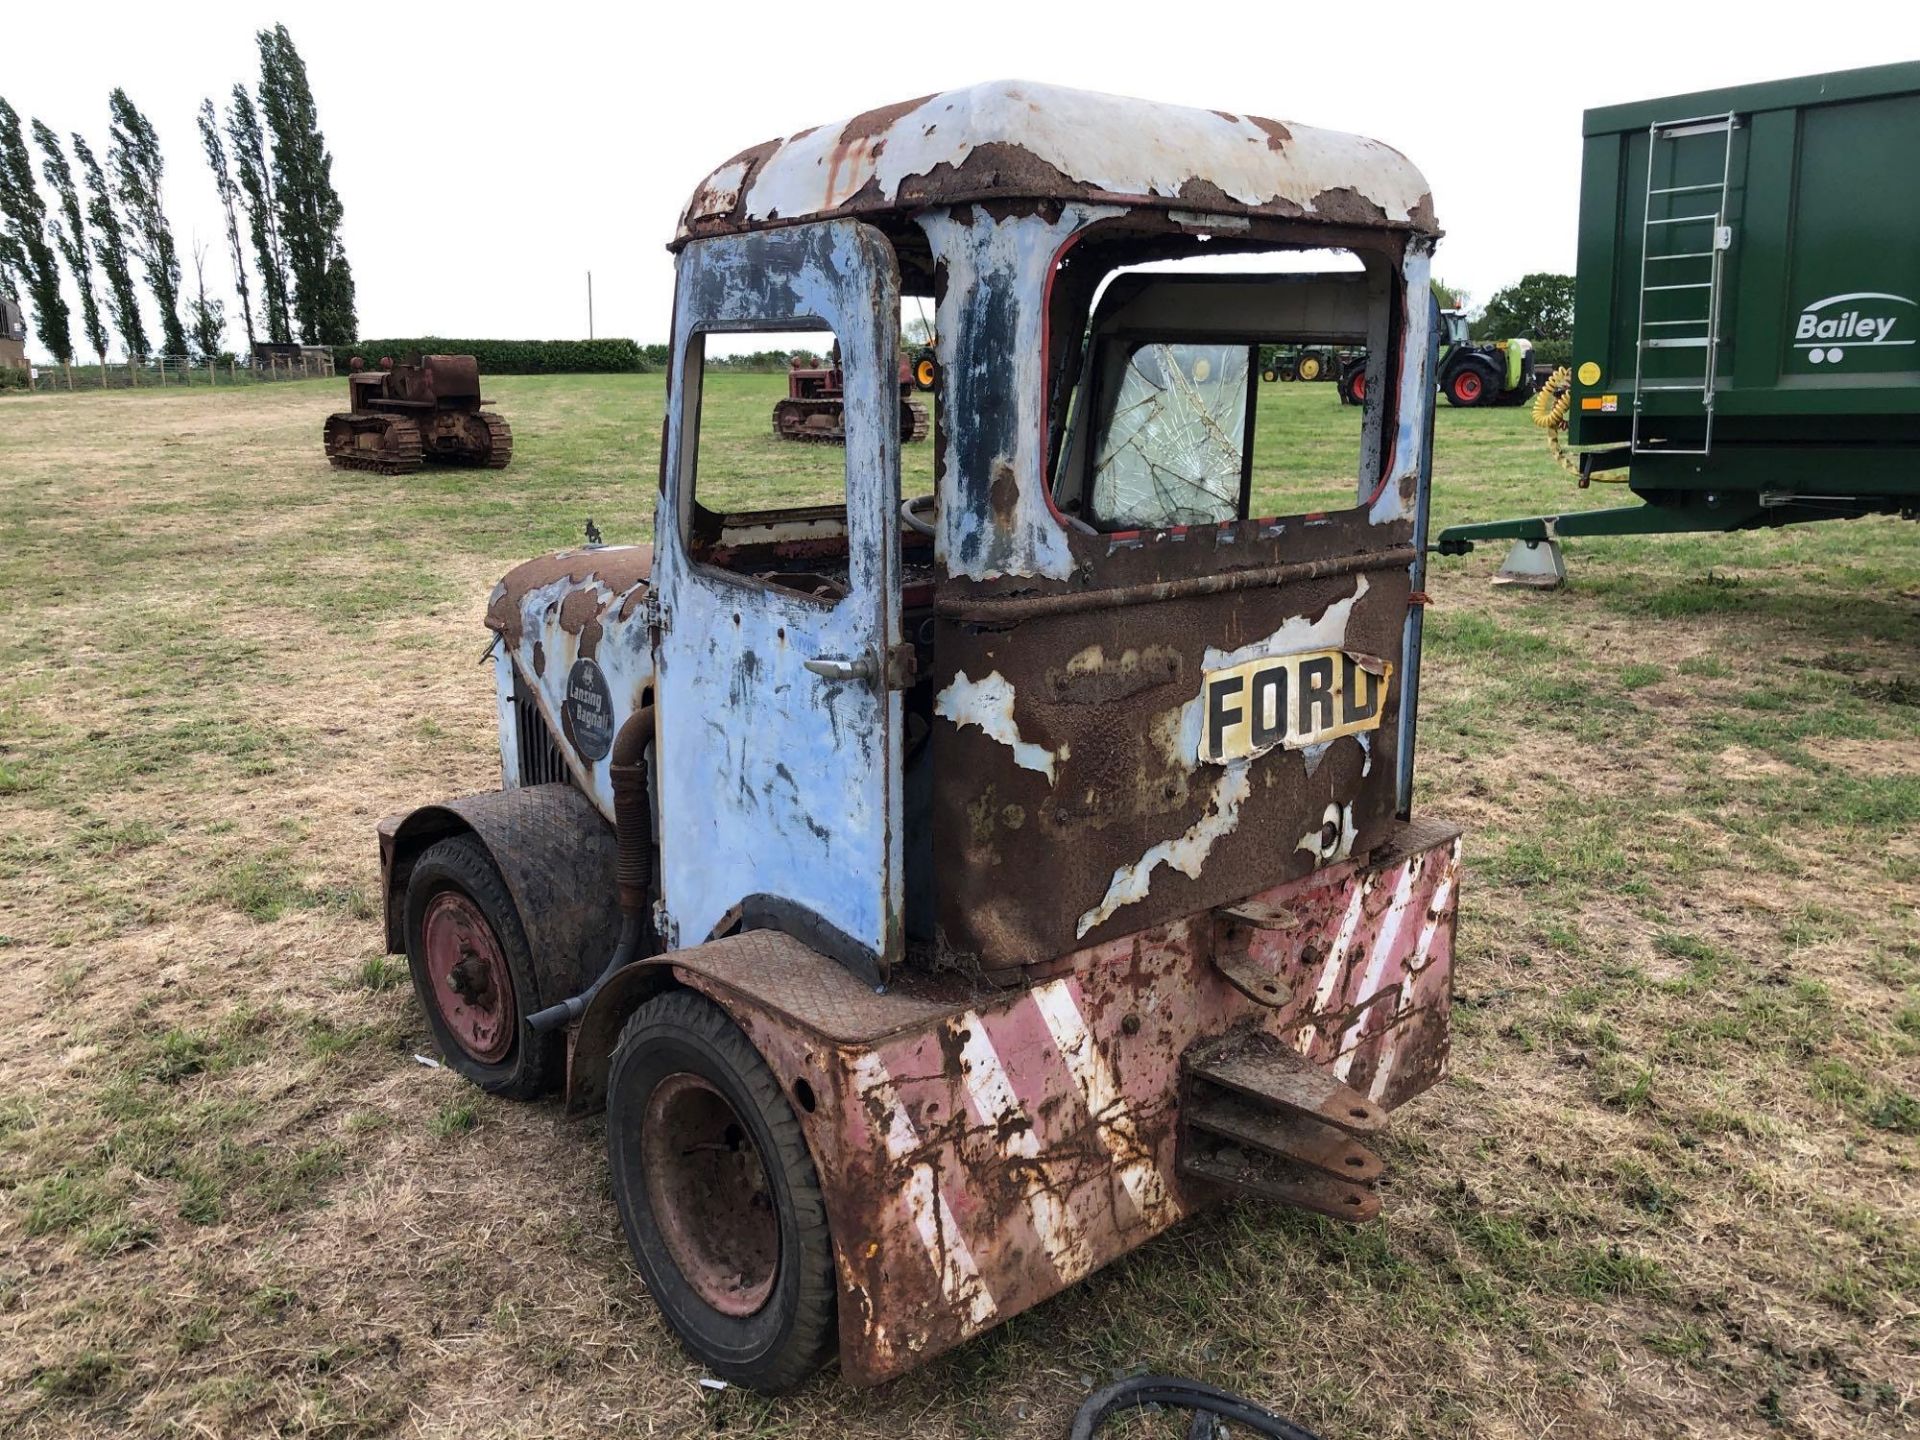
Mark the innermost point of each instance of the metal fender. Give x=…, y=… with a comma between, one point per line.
x=556, y=855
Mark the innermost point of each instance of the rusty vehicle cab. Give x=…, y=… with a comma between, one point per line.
x=945, y=894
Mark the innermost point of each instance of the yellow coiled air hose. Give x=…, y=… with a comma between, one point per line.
x=1550, y=409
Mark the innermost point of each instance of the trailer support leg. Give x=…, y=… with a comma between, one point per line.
x=1536, y=564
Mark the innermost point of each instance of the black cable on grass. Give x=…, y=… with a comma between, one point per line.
x=1205, y=1401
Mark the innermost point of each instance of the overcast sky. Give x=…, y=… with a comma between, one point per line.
x=488, y=157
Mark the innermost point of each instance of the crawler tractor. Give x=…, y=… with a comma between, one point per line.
x=816, y=403
x=944, y=894
x=401, y=416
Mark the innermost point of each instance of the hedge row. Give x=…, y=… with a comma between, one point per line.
x=517, y=357
x=1553, y=352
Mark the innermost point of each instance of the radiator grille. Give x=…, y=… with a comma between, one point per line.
x=541, y=762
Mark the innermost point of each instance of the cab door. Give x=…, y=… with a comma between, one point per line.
x=777, y=735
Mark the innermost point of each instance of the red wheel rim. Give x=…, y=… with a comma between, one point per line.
x=710, y=1194
x=472, y=988
x=1360, y=387
x=1466, y=385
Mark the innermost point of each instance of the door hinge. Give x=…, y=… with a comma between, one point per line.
x=651, y=614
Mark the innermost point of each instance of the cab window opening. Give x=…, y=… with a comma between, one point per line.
x=770, y=509
x=1199, y=383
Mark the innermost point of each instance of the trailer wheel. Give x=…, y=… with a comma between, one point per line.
x=472, y=971
x=1471, y=385
x=719, y=1196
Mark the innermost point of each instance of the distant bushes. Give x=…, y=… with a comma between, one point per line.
x=517, y=357
x=12, y=379
x=1553, y=352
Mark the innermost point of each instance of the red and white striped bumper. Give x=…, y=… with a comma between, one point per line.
x=981, y=1151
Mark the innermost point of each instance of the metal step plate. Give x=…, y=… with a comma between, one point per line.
x=1290, y=1136
x=1260, y=1067
x=1256, y=1174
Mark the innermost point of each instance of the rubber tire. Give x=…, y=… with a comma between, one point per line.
x=796, y=1331
x=1269, y=375
x=1489, y=386
x=1317, y=361
x=532, y=1066
x=1351, y=384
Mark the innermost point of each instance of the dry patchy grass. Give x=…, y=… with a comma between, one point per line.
x=1669, y=1190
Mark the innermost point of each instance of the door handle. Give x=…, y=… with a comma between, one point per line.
x=831, y=668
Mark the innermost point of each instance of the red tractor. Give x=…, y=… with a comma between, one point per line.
x=816, y=403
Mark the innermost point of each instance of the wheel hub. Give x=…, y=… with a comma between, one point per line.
x=710, y=1194
x=471, y=987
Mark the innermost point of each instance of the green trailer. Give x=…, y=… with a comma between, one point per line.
x=1747, y=308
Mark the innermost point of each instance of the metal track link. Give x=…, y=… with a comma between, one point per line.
x=499, y=440
x=401, y=450
x=790, y=421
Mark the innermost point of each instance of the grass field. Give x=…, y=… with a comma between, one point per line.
x=1670, y=1189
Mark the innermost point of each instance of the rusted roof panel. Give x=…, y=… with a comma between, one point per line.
x=1014, y=140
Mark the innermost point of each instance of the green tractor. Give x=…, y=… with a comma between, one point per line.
x=1471, y=373
x=1300, y=362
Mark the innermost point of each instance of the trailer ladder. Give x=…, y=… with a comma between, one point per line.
x=1681, y=226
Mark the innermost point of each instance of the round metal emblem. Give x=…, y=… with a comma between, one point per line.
x=587, y=712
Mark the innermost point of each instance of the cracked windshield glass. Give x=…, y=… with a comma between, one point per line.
x=1173, y=452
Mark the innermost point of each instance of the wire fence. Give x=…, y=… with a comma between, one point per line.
x=163, y=371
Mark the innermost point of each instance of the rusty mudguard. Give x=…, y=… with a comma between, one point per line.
x=556, y=855
x=982, y=1149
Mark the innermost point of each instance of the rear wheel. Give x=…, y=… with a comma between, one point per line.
x=472, y=971
x=719, y=1196
x=1353, y=386
x=1471, y=385
x=925, y=371
x=1311, y=366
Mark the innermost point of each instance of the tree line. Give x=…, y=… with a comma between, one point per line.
x=274, y=177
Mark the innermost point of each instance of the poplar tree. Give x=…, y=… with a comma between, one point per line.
x=70, y=234
x=110, y=249
x=309, y=207
x=207, y=318
x=255, y=180
x=229, y=201
x=27, y=249
x=138, y=168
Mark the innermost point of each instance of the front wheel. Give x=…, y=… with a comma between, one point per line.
x=1470, y=385
x=719, y=1196
x=473, y=972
